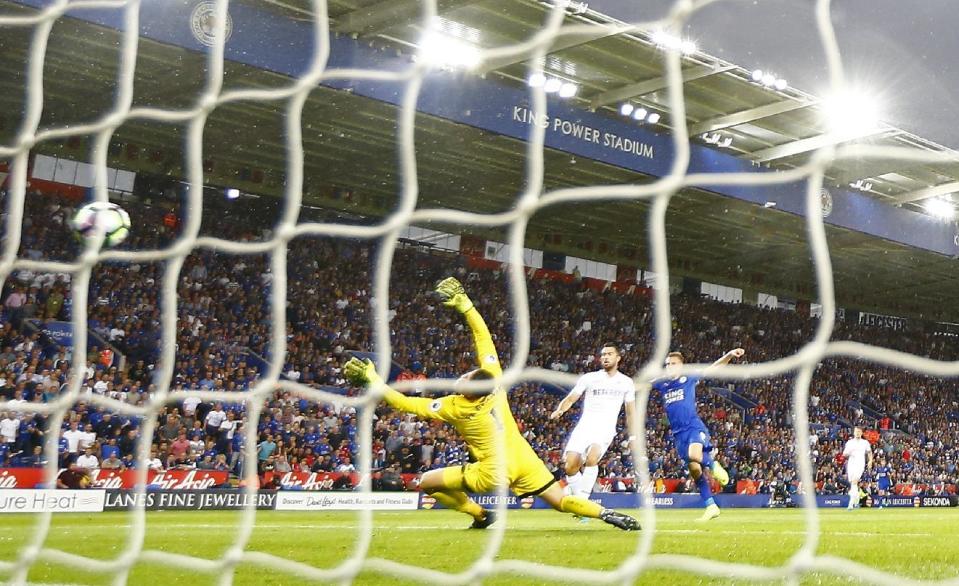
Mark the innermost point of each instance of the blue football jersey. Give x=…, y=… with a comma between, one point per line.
x=882, y=476
x=679, y=400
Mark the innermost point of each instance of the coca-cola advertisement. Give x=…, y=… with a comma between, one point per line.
x=167, y=479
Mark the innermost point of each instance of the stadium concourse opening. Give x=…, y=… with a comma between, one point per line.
x=294, y=205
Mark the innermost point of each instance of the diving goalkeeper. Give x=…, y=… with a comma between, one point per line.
x=499, y=454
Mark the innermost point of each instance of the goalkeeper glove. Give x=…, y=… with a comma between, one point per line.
x=452, y=294
x=361, y=372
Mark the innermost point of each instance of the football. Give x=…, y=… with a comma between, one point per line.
x=113, y=220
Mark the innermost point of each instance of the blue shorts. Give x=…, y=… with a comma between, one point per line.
x=697, y=434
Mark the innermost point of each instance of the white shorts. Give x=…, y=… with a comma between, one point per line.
x=854, y=472
x=584, y=436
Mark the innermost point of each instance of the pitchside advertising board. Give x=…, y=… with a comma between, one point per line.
x=614, y=500
x=46, y=500
x=114, y=479
x=837, y=501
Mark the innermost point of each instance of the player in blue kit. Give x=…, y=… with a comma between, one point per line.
x=690, y=435
x=883, y=476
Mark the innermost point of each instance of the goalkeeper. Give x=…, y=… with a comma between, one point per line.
x=499, y=453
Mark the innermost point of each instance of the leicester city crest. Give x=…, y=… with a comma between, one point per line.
x=203, y=23
x=825, y=199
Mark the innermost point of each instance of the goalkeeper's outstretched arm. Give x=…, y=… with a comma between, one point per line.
x=363, y=373
x=453, y=295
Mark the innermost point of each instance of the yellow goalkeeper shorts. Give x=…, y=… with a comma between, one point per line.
x=527, y=476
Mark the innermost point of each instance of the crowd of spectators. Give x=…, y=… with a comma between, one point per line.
x=223, y=343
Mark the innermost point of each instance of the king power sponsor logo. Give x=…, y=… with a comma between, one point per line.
x=25, y=500
x=584, y=132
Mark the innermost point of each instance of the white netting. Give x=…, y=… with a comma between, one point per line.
x=527, y=203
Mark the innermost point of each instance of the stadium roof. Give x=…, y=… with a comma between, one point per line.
x=351, y=143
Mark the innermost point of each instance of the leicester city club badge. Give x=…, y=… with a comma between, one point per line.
x=203, y=23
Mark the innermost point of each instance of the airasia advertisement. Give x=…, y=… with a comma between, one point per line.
x=166, y=480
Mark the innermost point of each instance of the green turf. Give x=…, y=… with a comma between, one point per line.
x=918, y=543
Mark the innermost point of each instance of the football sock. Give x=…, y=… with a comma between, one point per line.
x=585, y=485
x=458, y=501
x=704, y=490
x=572, y=482
x=579, y=506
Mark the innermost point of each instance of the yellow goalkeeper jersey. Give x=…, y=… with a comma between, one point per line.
x=482, y=423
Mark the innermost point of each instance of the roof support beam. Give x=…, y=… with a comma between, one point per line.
x=652, y=85
x=747, y=116
x=389, y=14
x=815, y=142
x=928, y=192
x=566, y=41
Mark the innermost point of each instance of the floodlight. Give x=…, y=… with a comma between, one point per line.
x=552, y=85
x=688, y=47
x=757, y=75
x=442, y=50
x=232, y=193
x=852, y=112
x=653, y=118
x=626, y=109
x=568, y=90
x=536, y=80
x=781, y=84
x=639, y=114
x=940, y=208
x=669, y=41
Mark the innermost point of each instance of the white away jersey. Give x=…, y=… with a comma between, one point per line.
x=604, y=398
x=855, y=452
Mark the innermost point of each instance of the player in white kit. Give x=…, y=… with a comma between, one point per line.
x=856, y=451
x=606, y=391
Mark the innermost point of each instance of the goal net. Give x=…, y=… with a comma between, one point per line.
x=199, y=230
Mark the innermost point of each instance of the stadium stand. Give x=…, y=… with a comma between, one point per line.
x=222, y=345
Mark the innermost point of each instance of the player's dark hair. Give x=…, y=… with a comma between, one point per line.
x=482, y=374
x=612, y=345
x=677, y=355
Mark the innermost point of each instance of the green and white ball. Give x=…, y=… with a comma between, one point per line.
x=113, y=220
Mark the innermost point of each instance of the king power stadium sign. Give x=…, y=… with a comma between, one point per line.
x=583, y=132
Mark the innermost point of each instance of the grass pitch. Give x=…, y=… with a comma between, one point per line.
x=916, y=543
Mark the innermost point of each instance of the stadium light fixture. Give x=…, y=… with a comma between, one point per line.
x=442, y=50
x=940, y=208
x=536, y=80
x=568, y=90
x=769, y=80
x=769, y=204
x=552, y=85
x=232, y=193
x=639, y=114
x=861, y=185
x=653, y=118
x=852, y=112
x=672, y=42
x=626, y=109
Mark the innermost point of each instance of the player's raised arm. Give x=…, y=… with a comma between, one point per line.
x=453, y=295
x=570, y=399
x=363, y=373
x=735, y=353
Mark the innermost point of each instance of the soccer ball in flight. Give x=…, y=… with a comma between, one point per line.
x=113, y=220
